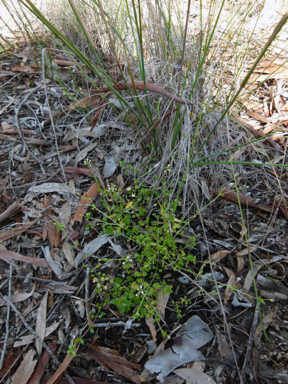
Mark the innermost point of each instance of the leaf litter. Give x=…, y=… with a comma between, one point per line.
x=47, y=275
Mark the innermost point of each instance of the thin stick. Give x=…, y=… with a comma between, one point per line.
x=158, y=122
x=7, y=319
x=250, y=344
x=56, y=361
x=87, y=282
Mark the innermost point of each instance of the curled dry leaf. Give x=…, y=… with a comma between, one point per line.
x=240, y=263
x=10, y=211
x=151, y=324
x=220, y=255
x=85, y=202
x=229, y=288
x=49, y=228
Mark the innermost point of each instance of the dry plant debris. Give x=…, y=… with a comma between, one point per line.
x=56, y=268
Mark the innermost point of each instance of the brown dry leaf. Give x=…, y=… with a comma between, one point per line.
x=240, y=258
x=240, y=263
x=68, y=253
x=282, y=207
x=162, y=300
x=17, y=230
x=151, y=324
x=99, y=113
x=250, y=276
x=64, y=63
x=41, y=323
x=245, y=201
x=8, y=363
x=230, y=284
x=38, y=372
x=219, y=255
x=110, y=359
x=10, y=211
x=255, y=133
x=76, y=171
x=16, y=132
x=25, y=369
x=266, y=321
x=194, y=376
x=89, y=101
x=85, y=201
x=18, y=297
x=62, y=367
x=26, y=68
x=120, y=181
x=258, y=117
x=224, y=347
x=49, y=228
x=9, y=256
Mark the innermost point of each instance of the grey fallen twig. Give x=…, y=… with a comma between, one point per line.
x=250, y=344
x=7, y=320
